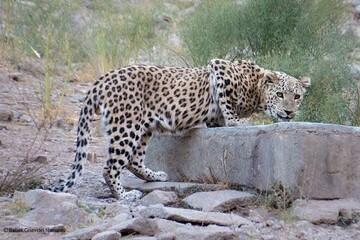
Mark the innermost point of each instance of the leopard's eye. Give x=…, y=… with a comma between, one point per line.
x=280, y=95
x=297, y=96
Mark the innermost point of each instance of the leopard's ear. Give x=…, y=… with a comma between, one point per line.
x=305, y=82
x=270, y=77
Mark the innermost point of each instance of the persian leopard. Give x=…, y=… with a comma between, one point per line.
x=136, y=101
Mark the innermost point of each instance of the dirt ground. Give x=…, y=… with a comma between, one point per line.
x=49, y=144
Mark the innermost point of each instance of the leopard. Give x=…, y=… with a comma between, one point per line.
x=137, y=101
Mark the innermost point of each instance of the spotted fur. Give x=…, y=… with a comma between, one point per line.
x=136, y=101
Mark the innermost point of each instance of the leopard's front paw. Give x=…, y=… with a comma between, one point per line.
x=161, y=176
x=132, y=195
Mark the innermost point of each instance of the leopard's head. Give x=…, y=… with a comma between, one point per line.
x=283, y=94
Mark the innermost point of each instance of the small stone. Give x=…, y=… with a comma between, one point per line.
x=158, y=196
x=208, y=232
x=6, y=115
x=91, y=157
x=86, y=233
x=107, y=235
x=255, y=216
x=26, y=119
x=168, y=225
x=51, y=237
x=141, y=225
x=346, y=213
x=166, y=236
x=143, y=238
x=5, y=199
x=79, y=97
x=269, y=223
x=40, y=159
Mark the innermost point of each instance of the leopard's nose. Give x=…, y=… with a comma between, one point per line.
x=288, y=112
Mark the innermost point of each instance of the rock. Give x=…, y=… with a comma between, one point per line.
x=319, y=161
x=39, y=198
x=173, y=230
x=166, y=236
x=141, y=225
x=321, y=211
x=209, y=232
x=168, y=225
x=6, y=115
x=107, y=235
x=194, y=216
x=218, y=201
x=78, y=98
x=109, y=210
x=5, y=199
x=143, y=238
x=92, y=231
x=49, y=208
x=40, y=159
x=26, y=119
x=86, y=233
x=50, y=237
x=158, y=196
x=91, y=157
x=141, y=185
x=256, y=215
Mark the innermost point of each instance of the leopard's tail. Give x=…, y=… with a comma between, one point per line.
x=87, y=111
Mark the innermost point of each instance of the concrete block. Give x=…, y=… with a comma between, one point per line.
x=318, y=161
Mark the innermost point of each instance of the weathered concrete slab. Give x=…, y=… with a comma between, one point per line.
x=319, y=161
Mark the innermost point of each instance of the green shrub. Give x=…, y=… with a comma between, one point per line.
x=297, y=37
x=39, y=26
x=41, y=29
x=119, y=32
x=210, y=31
x=107, y=34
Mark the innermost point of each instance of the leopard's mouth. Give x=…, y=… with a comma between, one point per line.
x=284, y=119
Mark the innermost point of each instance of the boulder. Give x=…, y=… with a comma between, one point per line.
x=211, y=232
x=158, y=196
x=141, y=225
x=322, y=211
x=49, y=208
x=316, y=161
x=95, y=229
x=218, y=201
x=39, y=198
x=107, y=235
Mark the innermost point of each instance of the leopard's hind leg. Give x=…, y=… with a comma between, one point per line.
x=137, y=165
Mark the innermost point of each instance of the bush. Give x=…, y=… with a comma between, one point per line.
x=120, y=32
x=210, y=32
x=106, y=35
x=297, y=37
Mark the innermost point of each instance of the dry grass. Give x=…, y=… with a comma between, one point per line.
x=27, y=175
x=17, y=208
